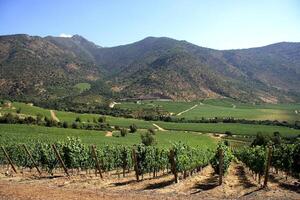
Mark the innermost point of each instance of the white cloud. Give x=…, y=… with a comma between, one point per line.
x=65, y=35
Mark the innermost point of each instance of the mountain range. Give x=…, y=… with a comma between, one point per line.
x=34, y=68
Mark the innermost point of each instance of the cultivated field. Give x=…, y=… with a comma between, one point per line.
x=234, y=128
x=222, y=108
x=18, y=133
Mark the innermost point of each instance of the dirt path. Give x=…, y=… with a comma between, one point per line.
x=112, y=104
x=238, y=184
x=187, y=110
x=13, y=191
x=158, y=127
x=53, y=116
x=108, y=134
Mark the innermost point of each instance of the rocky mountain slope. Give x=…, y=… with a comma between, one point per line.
x=42, y=68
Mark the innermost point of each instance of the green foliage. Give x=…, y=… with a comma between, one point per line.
x=102, y=119
x=254, y=158
x=132, y=128
x=148, y=139
x=227, y=157
x=151, y=130
x=260, y=140
x=78, y=119
x=65, y=124
x=18, y=110
x=123, y=132
x=188, y=158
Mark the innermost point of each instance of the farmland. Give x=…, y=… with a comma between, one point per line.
x=234, y=128
x=23, y=133
x=222, y=108
x=194, y=145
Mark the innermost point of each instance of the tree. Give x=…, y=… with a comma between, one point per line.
x=132, y=128
x=260, y=140
x=39, y=118
x=277, y=138
x=101, y=119
x=77, y=119
x=50, y=122
x=65, y=124
x=151, y=130
x=75, y=125
x=148, y=139
x=19, y=110
x=123, y=132
x=228, y=133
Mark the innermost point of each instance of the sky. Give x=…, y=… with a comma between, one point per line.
x=218, y=24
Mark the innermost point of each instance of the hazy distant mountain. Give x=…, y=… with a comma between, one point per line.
x=37, y=67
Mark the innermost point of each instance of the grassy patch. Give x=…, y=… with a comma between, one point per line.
x=18, y=133
x=237, y=129
x=83, y=86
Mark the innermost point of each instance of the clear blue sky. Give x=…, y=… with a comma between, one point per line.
x=220, y=24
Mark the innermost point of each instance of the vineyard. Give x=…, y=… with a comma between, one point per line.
x=73, y=154
x=177, y=163
x=182, y=159
x=284, y=158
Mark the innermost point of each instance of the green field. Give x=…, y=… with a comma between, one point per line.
x=234, y=128
x=83, y=86
x=26, y=109
x=237, y=129
x=211, y=108
x=18, y=133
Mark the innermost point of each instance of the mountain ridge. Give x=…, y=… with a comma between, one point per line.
x=154, y=65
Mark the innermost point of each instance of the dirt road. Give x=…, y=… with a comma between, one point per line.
x=158, y=127
x=53, y=116
x=187, y=110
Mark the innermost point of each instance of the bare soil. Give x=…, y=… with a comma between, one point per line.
x=53, y=116
x=108, y=134
x=238, y=184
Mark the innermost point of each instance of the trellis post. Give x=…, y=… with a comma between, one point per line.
x=9, y=160
x=60, y=159
x=96, y=160
x=31, y=158
x=267, y=168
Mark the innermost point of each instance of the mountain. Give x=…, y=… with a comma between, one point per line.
x=40, y=68
x=49, y=68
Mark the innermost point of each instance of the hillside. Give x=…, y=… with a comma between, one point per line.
x=36, y=68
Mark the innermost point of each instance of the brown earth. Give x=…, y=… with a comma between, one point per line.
x=238, y=184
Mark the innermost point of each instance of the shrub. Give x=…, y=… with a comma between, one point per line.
x=260, y=140
x=101, y=119
x=65, y=124
x=132, y=128
x=228, y=133
x=148, y=139
x=75, y=125
x=123, y=132
x=151, y=130
x=77, y=119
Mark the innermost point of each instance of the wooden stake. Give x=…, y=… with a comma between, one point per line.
x=220, y=167
x=60, y=159
x=135, y=165
x=96, y=160
x=31, y=158
x=269, y=155
x=9, y=160
x=173, y=165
